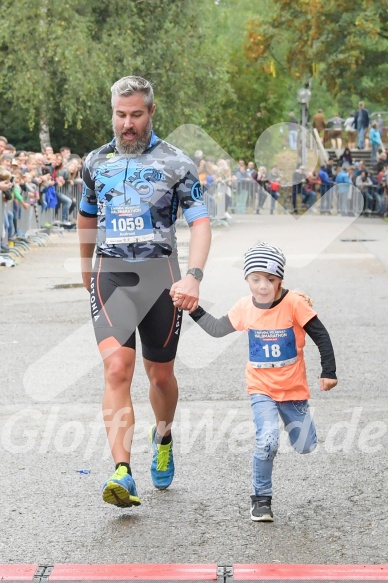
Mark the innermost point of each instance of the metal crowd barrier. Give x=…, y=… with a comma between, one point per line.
x=341, y=198
x=216, y=199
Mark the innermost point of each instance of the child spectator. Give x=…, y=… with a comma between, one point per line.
x=375, y=142
x=6, y=194
x=309, y=196
x=344, y=191
x=276, y=321
x=326, y=192
x=274, y=185
x=346, y=159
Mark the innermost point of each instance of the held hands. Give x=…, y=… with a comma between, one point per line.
x=327, y=384
x=185, y=293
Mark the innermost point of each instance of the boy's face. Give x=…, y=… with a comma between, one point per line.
x=265, y=287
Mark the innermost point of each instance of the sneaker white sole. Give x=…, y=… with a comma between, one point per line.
x=264, y=518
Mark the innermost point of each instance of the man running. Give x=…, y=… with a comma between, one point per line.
x=132, y=188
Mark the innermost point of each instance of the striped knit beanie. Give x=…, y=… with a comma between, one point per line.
x=264, y=258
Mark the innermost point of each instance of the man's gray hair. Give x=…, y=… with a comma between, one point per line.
x=129, y=85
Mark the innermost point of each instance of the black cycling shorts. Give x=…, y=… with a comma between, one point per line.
x=129, y=295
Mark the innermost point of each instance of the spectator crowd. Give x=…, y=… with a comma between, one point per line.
x=46, y=183
x=49, y=183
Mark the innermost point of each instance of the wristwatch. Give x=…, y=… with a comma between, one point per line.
x=195, y=272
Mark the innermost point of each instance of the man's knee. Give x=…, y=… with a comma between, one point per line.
x=160, y=375
x=117, y=372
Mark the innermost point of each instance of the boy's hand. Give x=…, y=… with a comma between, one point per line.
x=188, y=293
x=327, y=384
x=176, y=295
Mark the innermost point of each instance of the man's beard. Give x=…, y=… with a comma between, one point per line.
x=136, y=147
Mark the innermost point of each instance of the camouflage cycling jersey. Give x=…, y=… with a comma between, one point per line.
x=136, y=199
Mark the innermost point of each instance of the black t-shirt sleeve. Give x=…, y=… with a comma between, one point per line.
x=320, y=336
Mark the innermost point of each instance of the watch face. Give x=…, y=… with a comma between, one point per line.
x=197, y=273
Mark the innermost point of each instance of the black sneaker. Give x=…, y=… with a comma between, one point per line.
x=261, y=509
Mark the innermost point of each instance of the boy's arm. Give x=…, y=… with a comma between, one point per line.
x=216, y=327
x=320, y=336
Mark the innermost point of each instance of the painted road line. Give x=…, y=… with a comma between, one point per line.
x=17, y=572
x=128, y=572
x=310, y=572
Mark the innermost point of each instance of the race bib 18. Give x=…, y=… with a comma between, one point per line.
x=272, y=348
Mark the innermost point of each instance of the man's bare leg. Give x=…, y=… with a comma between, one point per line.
x=119, y=365
x=163, y=397
x=163, y=393
x=117, y=406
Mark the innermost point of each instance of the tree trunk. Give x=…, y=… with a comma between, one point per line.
x=44, y=128
x=44, y=133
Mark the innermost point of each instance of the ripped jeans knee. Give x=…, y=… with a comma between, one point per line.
x=267, y=445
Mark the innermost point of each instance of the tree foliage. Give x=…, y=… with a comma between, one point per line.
x=59, y=60
x=342, y=42
x=48, y=61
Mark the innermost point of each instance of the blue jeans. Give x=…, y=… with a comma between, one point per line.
x=375, y=148
x=65, y=201
x=309, y=198
x=297, y=422
x=8, y=222
x=274, y=197
x=361, y=137
x=378, y=202
x=326, y=198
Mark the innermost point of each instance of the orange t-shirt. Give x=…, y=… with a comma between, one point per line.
x=276, y=365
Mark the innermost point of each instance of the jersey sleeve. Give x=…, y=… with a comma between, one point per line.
x=216, y=327
x=88, y=204
x=236, y=315
x=189, y=192
x=303, y=312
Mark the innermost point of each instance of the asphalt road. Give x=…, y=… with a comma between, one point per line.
x=330, y=506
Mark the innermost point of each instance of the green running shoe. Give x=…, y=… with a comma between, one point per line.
x=120, y=489
x=162, y=466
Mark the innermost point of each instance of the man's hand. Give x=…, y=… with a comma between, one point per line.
x=185, y=293
x=327, y=384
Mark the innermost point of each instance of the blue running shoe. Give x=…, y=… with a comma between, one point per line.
x=120, y=489
x=162, y=466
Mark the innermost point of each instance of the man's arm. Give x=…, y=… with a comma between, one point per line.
x=87, y=228
x=188, y=286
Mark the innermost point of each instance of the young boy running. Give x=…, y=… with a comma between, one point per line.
x=276, y=321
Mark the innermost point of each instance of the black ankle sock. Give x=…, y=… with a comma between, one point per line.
x=126, y=466
x=163, y=440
